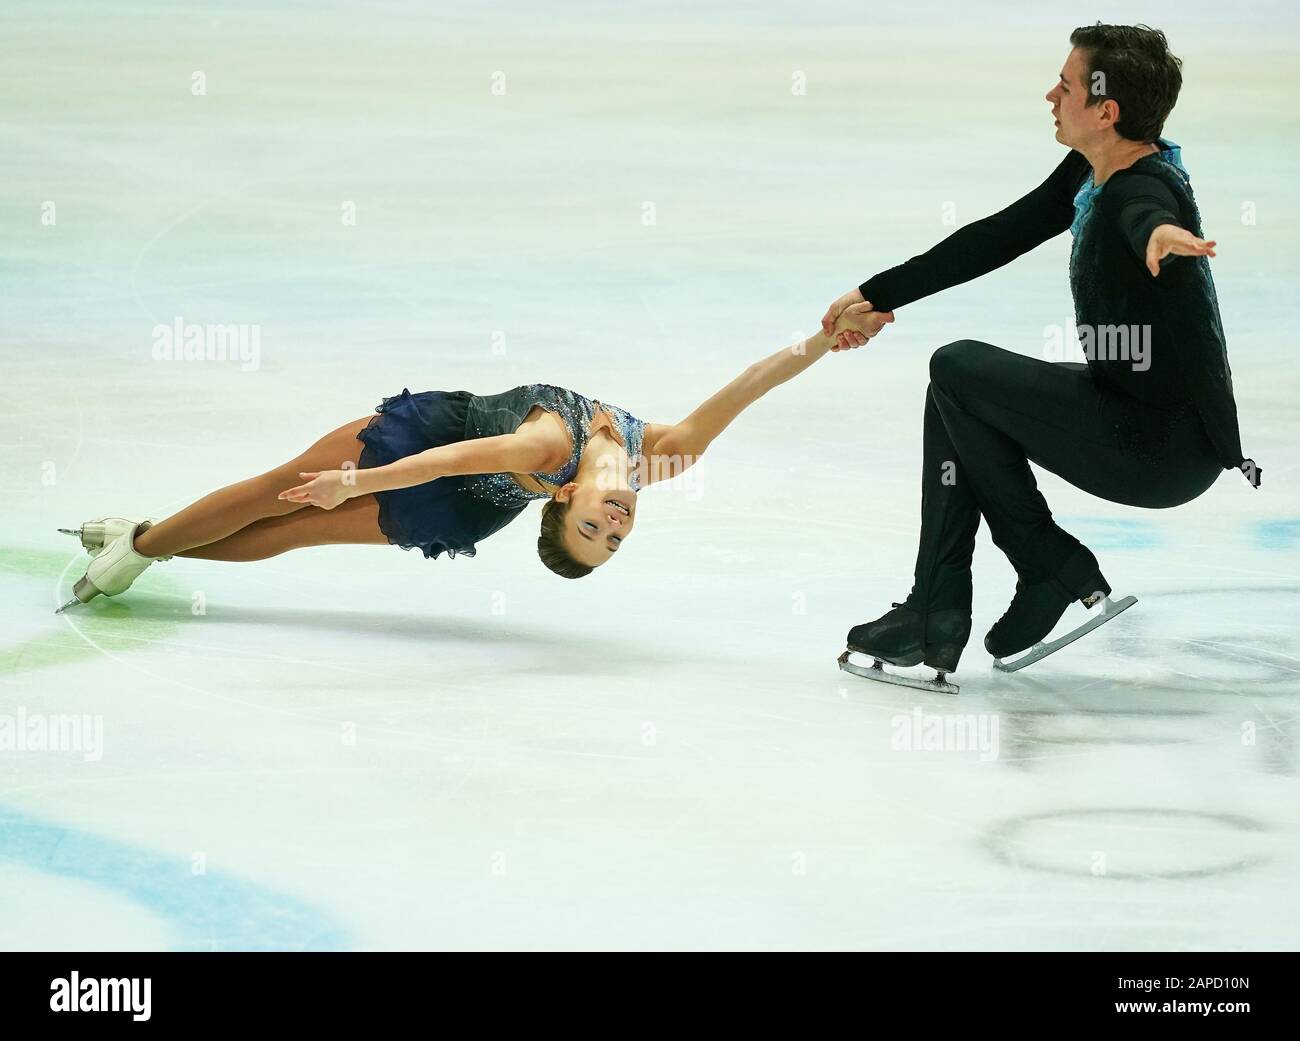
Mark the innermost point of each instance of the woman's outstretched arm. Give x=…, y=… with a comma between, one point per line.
x=677, y=447
x=524, y=451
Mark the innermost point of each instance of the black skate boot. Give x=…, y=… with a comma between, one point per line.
x=897, y=637
x=1034, y=612
x=907, y=637
x=1039, y=605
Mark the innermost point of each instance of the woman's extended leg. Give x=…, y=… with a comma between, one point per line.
x=354, y=521
x=228, y=510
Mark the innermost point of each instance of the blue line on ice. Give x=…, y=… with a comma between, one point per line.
x=1278, y=534
x=204, y=912
x=1111, y=532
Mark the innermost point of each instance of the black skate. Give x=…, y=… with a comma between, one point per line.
x=1038, y=606
x=905, y=637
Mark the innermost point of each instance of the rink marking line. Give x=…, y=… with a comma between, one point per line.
x=153, y=880
x=1000, y=835
x=1234, y=647
x=1232, y=650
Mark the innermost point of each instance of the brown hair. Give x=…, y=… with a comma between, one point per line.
x=1131, y=65
x=550, y=543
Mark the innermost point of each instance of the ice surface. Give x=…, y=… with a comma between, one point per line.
x=354, y=747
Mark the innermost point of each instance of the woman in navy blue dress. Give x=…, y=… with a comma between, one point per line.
x=443, y=470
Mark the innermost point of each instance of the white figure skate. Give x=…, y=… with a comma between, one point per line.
x=112, y=571
x=96, y=534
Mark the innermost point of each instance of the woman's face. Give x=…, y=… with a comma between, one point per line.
x=598, y=521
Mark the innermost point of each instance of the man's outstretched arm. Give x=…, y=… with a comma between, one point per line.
x=975, y=249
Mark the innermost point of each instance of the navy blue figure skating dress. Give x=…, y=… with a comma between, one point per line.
x=451, y=514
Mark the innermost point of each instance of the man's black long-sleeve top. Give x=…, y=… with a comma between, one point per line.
x=1187, y=363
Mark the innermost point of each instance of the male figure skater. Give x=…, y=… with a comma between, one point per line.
x=1149, y=420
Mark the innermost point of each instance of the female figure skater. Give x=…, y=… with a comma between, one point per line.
x=442, y=470
x=1149, y=421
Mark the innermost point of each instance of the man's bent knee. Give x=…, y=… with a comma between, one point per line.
x=952, y=361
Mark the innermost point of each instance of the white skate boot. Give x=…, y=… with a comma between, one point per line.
x=96, y=534
x=112, y=571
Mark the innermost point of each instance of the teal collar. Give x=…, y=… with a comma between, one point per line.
x=1170, y=153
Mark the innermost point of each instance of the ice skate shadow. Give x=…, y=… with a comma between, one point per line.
x=560, y=647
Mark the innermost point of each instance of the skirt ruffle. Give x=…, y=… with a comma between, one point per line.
x=439, y=516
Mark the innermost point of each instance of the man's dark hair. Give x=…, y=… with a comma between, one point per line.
x=1137, y=72
x=550, y=543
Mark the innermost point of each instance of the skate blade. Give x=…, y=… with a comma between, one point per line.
x=1109, y=609
x=938, y=685
x=91, y=541
x=91, y=534
x=82, y=593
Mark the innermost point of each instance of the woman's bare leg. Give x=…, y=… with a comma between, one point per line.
x=230, y=509
x=352, y=521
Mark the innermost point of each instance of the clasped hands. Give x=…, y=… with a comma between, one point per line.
x=852, y=321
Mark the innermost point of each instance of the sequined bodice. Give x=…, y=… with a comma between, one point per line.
x=502, y=413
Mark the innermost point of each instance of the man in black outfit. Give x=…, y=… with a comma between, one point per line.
x=1149, y=421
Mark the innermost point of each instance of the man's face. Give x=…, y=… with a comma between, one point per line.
x=1077, y=123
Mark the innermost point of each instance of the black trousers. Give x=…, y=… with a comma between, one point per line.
x=988, y=414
